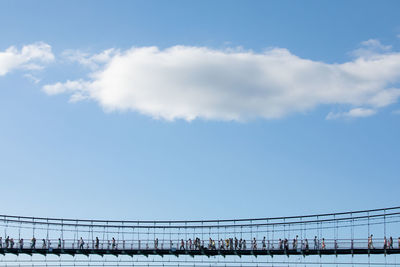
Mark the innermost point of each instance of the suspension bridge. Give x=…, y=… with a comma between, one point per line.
x=365, y=232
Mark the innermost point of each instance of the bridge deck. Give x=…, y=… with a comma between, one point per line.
x=202, y=252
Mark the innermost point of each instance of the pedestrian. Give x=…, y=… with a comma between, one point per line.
x=113, y=243
x=81, y=243
x=315, y=242
x=286, y=244
x=370, y=243
x=33, y=243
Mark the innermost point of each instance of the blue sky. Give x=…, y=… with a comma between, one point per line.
x=127, y=138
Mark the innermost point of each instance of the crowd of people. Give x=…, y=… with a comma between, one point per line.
x=240, y=244
x=387, y=243
x=198, y=244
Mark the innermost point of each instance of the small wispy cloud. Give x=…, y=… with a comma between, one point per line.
x=353, y=113
x=370, y=48
x=32, y=78
x=396, y=112
x=88, y=60
x=29, y=57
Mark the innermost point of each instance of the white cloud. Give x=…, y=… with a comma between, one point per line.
x=77, y=88
x=32, y=78
x=371, y=48
x=184, y=82
x=30, y=57
x=396, y=112
x=376, y=44
x=353, y=113
x=90, y=61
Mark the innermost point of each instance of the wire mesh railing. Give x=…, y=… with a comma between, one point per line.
x=368, y=229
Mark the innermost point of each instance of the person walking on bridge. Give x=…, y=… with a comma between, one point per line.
x=254, y=244
x=156, y=243
x=370, y=243
x=97, y=243
x=21, y=243
x=81, y=243
x=295, y=242
x=306, y=244
x=33, y=243
x=113, y=243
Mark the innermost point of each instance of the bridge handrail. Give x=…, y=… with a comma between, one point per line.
x=48, y=221
x=202, y=221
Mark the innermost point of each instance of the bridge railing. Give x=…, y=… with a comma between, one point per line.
x=147, y=244
x=229, y=223
x=350, y=229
